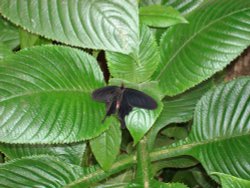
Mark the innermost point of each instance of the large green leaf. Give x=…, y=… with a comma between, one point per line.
x=219, y=138
x=98, y=24
x=160, y=16
x=178, y=109
x=107, y=146
x=184, y=7
x=9, y=35
x=46, y=96
x=71, y=153
x=39, y=171
x=228, y=181
x=216, y=34
x=139, y=65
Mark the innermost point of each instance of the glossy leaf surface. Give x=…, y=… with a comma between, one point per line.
x=46, y=96
x=204, y=46
x=70, y=153
x=97, y=24
x=184, y=7
x=220, y=134
x=9, y=35
x=160, y=16
x=139, y=65
x=231, y=181
x=35, y=172
x=107, y=146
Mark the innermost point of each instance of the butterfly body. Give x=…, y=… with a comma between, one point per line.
x=121, y=100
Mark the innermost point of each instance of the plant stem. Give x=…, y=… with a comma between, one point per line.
x=143, y=171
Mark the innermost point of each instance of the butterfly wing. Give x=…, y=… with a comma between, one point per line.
x=139, y=99
x=104, y=94
x=124, y=110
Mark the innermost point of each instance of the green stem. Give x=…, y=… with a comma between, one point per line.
x=164, y=153
x=100, y=174
x=143, y=173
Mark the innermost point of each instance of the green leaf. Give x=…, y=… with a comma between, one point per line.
x=139, y=65
x=160, y=16
x=176, y=162
x=176, y=132
x=219, y=138
x=228, y=181
x=204, y=46
x=178, y=109
x=168, y=185
x=118, y=181
x=150, y=2
x=94, y=24
x=184, y=7
x=46, y=96
x=193, y=177
x=71, y=153
x=139, y=121
x=28, y=39
x=4, y=51
x=8, y=34
x=39, y=171
x=106, y=147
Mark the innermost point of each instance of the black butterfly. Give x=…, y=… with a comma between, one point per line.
x=121, y=100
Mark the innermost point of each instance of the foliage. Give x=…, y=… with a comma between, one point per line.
x=51, y=60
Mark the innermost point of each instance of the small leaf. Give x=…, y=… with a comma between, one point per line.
x=8, y=34
x=39, y=171
x=175, y=132
x=140, y=121
x=229, y=181
x=119, y=181
x=28, y=39
x=107, y=146
x=176, y=162
x=46, y=96
x=160, y=16
x=139, y=65
x=71, y=153
x=4, y=51
x=94, y=24
x=204, y=46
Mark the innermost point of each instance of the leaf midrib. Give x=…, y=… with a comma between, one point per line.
x=193, y=36
x=43, y=92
